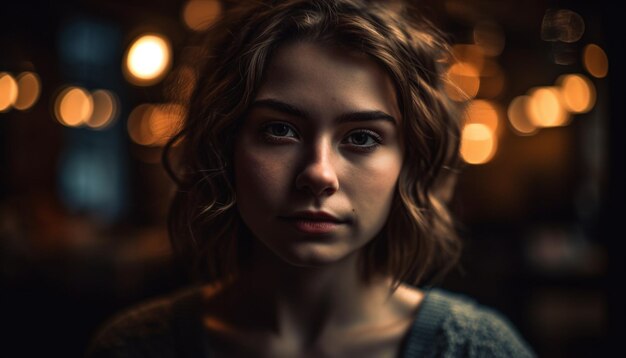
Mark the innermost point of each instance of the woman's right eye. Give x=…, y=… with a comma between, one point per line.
x=275, y=131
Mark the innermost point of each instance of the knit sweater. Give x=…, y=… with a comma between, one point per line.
x=446, y=325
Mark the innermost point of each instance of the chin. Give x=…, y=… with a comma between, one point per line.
x=314, y=256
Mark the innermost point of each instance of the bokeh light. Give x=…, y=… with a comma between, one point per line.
x=198, y=15
x=463, y=81
x=105, y=109
x=578, y=93
x=545, y=108
x=73, y=106
x=180, y=84
x=138, y=125
x=595, y=61
x=562, y=25
x=147, y=59
x=518, y=116
x=492, y=80
x=165, y=119
x=8, y=91
x=29, y=89
x=154, y=125
x=469, y=53
x=483, y=112
x=478, y=143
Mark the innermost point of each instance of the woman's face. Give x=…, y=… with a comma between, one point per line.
x=323, y=134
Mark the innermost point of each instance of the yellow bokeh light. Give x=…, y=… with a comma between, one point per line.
x=105, y=109
x=29, y=90
x=578, y=93
x=484, y=112
x=518, y=116
x=545, y=108
x=463, y=81
x=198, y=15
x=148, y=59
x=73, y=106
x=595, y=61
x=478, y=143
x=8, y=91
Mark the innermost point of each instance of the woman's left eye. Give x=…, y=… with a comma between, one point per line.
x=365, y=139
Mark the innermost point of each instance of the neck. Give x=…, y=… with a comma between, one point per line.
x=307, y=302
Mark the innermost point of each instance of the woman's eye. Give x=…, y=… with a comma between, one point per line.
x=364, y=139
x=278, y=130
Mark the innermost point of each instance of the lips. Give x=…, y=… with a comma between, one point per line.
x=318, y=216
x=315, y=222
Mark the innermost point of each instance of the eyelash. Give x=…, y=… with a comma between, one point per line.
x=277, y=139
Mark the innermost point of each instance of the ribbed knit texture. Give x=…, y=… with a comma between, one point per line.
x=454, y=325
x=446, y=325
x=426, y=325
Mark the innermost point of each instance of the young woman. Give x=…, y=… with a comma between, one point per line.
x=312, y=159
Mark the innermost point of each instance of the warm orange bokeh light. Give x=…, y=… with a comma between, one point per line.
x=518, y=116
x=180, y=84
x=578, y=93
x=138, y=125
x=147, y=59
x=73, y=106
x=8, y=91
x=492, y=80
x=164, y=121
x=105, y=109
x=469, y=53
x=153, y=125
x=198, y=15
x=463, y=81
x=29, y=88
x=478, y=143
x=545, y=108
x=484, y=112
x=595, y=61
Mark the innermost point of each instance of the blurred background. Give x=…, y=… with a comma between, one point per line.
x=86, y=105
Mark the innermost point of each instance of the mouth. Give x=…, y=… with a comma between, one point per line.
x=315, y=217
x=314, y=222
x=307, y=225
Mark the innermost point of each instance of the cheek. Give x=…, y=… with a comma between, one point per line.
x=259, y=178
x=384, y=172
x=375, y=187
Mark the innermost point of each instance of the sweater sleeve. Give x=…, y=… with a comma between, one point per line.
x=142, y=331
x=473, y=330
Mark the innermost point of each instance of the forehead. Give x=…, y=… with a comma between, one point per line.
x=328, y=80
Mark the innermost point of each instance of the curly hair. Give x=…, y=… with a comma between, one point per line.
x=419, y=240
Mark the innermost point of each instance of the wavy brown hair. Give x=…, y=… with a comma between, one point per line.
x=418, y=240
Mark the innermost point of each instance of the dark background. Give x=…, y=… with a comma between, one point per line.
x=541, y=220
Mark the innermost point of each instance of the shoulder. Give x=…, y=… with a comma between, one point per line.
x=469, y=329
x=146, y=329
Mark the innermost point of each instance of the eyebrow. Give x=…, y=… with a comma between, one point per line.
x=292, y=110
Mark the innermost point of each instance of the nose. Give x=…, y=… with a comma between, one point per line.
x=318, y=175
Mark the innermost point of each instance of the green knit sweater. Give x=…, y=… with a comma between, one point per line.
x=446, y=325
